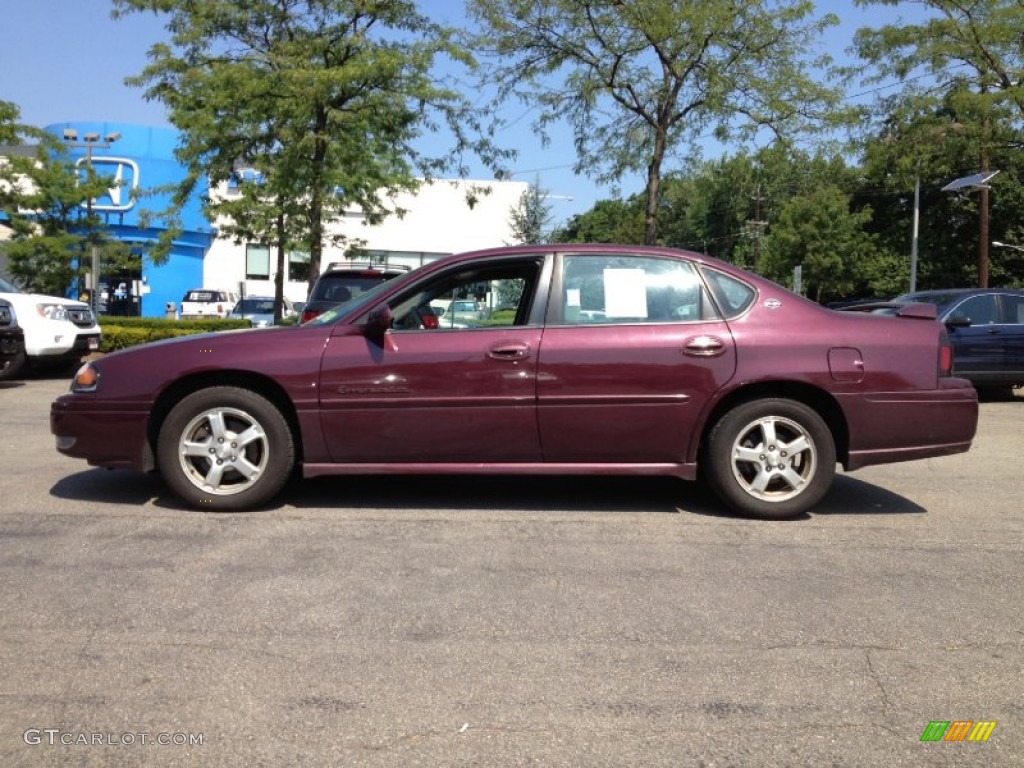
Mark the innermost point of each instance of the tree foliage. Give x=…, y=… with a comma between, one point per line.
x=531, y=218
x=962, y=62
x=818, y=231
x=326, y=98
x=45, y=195
x=641, y=80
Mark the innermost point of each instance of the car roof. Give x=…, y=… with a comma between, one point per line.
x=949, y=295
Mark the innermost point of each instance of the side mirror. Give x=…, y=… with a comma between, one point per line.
x=958, y=320
x=378, y=322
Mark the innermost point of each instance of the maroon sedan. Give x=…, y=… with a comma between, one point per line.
x=579, y=359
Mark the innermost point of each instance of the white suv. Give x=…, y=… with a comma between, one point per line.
x=58, y=331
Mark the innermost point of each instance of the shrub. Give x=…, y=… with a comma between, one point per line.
x=124, y=332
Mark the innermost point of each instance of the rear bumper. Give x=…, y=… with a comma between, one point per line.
x=902, y=426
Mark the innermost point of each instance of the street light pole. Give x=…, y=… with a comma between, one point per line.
x=88, y=143
x=914, y=234
x=978, y=181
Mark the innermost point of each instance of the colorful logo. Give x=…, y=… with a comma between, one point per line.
x=958, y=730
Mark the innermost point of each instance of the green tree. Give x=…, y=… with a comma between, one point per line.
x=924, y=145
x=45, y=195
x=640, y=80
x=818, y=232
x=327, y=98
x=531, y=218
x=964, y=56
x=609, y=221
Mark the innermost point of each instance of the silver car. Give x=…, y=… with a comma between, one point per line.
x=259, y=310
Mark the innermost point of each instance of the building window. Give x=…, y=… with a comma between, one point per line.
x=298, y=266
x=257, y=262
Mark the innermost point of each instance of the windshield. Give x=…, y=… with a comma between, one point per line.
x=6, y=287
x=361, y=301
x=939, y=298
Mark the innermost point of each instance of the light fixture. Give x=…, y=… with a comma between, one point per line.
x=998, y=244
x=91, y=137
x=110, y=138
x=70, y=134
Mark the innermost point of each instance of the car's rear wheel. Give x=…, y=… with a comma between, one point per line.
x=225, y=449
x=773, y=458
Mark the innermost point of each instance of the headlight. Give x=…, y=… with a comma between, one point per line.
x=87, y=379
x=53, y=311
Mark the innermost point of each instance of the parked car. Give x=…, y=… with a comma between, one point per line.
x=12, y=342
x=57, y=331
x=345, y=280
x=610, y=359
x=259, y=310
x=207, y=302
x=986, y=329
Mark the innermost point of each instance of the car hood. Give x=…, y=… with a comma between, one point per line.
x=39, y=298
x=139, y=372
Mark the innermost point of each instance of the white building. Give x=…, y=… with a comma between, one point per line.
x=442, y=217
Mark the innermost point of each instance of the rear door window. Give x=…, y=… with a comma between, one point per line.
x=631, y=288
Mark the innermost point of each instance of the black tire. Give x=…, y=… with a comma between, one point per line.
x=202, y=459
x=12, y=367
x=777, y=481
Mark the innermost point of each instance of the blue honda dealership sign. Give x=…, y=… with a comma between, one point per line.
x=142, y=166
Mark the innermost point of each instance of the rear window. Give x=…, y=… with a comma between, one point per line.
x=342, y=288
x=203, y=296
x=256, y=306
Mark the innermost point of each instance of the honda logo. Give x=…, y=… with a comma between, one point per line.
x=124, y=175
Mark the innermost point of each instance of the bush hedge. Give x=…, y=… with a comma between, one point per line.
x=123, y=332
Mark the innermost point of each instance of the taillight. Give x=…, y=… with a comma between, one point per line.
x=309, y=314
x=430, y=322
x=945, y=356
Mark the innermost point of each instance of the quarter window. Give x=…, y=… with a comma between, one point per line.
x=733, y=296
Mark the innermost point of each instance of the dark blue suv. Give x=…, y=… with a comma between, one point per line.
x=986, y=327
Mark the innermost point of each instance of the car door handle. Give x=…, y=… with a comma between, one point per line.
x=510, y=350
x=704, y=346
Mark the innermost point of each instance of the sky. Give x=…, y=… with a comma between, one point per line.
x=66, y=61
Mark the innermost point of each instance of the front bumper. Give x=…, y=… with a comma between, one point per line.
x=107, y=434
x=64, y=346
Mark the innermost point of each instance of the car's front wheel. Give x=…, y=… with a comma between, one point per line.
x=12, y=367
x=772, y=458
x=225, y=449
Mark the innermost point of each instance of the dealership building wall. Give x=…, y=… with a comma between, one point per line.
x=439, y=219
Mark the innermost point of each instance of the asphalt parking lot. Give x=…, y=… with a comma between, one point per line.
x=510, y=622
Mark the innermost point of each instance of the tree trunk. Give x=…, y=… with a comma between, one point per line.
x=654, y=189
x=279, y=274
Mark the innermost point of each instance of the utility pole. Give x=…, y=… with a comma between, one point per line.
x=756, y=228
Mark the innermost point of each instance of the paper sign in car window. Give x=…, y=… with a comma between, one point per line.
x=625, y=293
